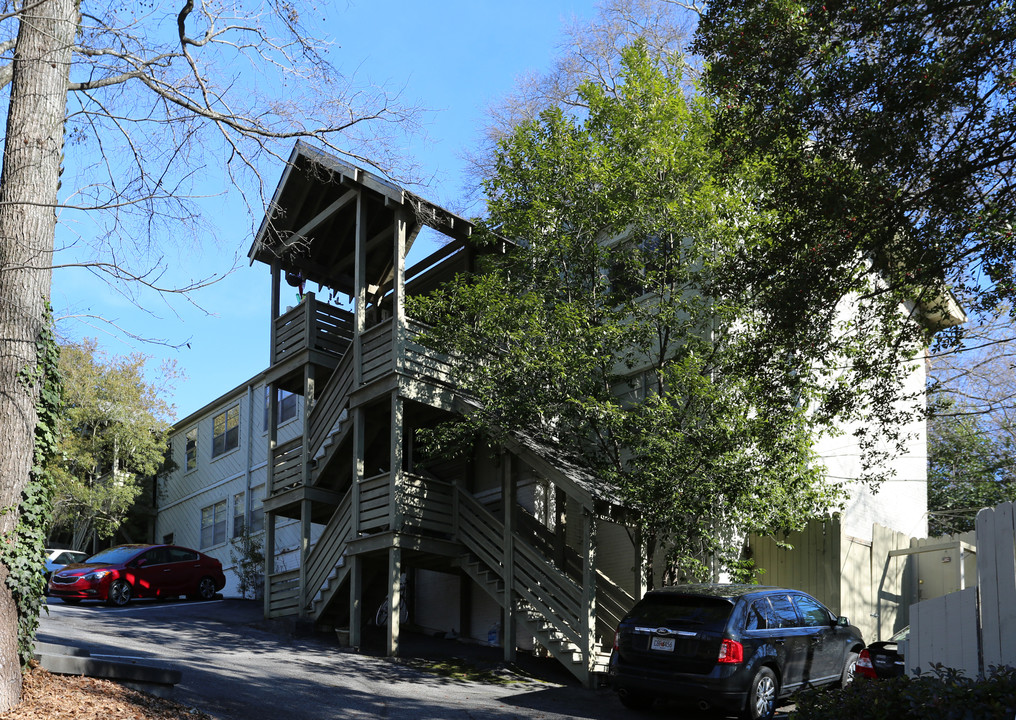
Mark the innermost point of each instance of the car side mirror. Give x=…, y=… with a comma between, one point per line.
x=842, y=621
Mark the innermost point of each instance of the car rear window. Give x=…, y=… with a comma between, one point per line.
x=705, y=613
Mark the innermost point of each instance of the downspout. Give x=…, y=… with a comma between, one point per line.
x=248, y=502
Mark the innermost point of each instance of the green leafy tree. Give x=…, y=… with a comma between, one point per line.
x=112, y=434
x=599, y=333
x=891, y=129
x=969, y=468
x=147, y=97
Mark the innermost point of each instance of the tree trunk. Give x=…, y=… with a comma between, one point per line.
x=28, y=195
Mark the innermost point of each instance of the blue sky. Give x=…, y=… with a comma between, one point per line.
x=452, y=57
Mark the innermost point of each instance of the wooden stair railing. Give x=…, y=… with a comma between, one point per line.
x=326, y=554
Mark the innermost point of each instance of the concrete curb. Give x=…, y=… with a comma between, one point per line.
x=66, y=660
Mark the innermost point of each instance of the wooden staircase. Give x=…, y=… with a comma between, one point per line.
x=531, y=577
x=548, y=600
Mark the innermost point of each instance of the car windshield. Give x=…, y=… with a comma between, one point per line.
x=114, y=555
x=703, y=612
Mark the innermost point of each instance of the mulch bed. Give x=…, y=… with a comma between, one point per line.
x=65, y=697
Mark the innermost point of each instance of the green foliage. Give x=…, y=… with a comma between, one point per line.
x=23, y=554
x=601, y=334
x=890, y=129
x=112, y=434
x=944, y=695
x=247, y=553
x=969, y=468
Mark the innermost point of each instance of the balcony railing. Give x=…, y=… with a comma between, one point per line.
x=312, y=325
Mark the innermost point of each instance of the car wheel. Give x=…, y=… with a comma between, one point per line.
x=848, y=669
x=206, y=589
x=119, y=593
x=762, y=693
x=71, y=601
x=639, y=702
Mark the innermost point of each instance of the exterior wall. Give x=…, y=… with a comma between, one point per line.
x=183, y=493
x=436, y=606
x=900, y=503
x=615, y=556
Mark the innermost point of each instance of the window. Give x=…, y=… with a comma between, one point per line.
x=155, y=556
x=191, y=450
x=257, y=510
x=213, y=524
x=286, y=405
x=238, y=514
x=760, y=616
x=226, y=431
x=784, y=610
x=167, y=539
x=181, y=555
x=811, y=612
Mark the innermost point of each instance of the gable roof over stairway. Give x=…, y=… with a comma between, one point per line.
x=310, y=226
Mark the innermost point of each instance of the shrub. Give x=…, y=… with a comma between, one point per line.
x=943, y=695
x=247, y=554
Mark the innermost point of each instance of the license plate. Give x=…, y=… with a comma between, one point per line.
x=662, y=643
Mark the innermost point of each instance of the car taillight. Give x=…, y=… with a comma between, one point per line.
x=617, y=638
x=731, y=652
x=864, y=668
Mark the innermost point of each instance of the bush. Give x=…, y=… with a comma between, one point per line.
x=944, y=695
x=248, y=557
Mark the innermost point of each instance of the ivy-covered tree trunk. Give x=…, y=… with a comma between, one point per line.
x=28, y=196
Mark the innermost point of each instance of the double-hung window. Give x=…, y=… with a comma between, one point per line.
x=257, y=510
x=213, y=524
x=239, y=514
x=226, y=431
x=286, y=405
x=191, y=449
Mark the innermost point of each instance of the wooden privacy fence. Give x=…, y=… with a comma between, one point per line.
x=973, y=630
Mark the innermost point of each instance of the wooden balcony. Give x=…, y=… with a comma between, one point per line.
x=312, y=332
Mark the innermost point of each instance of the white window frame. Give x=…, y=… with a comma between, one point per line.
x=213, y=524
x=229, y=435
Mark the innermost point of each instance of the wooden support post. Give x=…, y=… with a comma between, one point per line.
x=589, y=592
x=308, y=388
x=396, y=509
x=359, y=463
x=359, y=290
x=276, y=302
x=640, y=585
x=509, y=492
x=355, y=600
x=269, y=559
x=394, y=599
x=560, y=526
x=306, y=594
x=399, y=289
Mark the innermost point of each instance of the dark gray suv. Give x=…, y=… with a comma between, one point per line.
x=733, y=648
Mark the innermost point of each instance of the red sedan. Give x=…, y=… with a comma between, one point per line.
x=125, y=571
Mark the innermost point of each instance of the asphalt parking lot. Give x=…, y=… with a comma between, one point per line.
x=235, y=666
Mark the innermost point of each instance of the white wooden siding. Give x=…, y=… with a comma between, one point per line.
x=182, y=494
